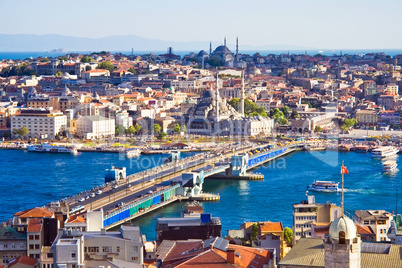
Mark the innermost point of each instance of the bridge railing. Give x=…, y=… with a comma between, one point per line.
x=140, y=200
x=216, y=169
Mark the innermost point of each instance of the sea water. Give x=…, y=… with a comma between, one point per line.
x=35, y=179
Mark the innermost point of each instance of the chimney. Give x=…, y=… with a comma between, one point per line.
x=230, y=256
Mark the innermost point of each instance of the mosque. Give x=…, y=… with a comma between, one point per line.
x=224, y=54
x=212, y=115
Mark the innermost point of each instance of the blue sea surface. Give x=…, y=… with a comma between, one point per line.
x=34, y=179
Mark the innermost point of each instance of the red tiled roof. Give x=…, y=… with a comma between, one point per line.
x=34, y=213
x=34, y=225
x=364, y=229
x=24, y=260
x=271, y=227
x=209, y=258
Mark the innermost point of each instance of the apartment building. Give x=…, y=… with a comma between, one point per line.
x=95, y=126
x=378, y=220
x=41, y=123
x=308, y=213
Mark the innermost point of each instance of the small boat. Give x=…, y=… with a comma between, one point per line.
x=48, y=148
x=361, y=148
x=324, y=186
x=383, y=152
x=133, y=152
x=344, y=147
x=389, y=166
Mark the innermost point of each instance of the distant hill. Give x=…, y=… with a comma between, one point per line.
x=29, y=42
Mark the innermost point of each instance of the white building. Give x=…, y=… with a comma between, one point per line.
x=97, y=75
x=41, y=123
x=378, y=220
x=99, y=249
x=123, y=119
x=95, y=126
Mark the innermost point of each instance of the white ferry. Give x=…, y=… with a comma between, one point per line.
x=48, y=148
x=324, y=186
x=132, y=152
x=383, y=152
x=389, y=166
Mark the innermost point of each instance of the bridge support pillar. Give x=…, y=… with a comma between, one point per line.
x=239, y=164
x=192, y=183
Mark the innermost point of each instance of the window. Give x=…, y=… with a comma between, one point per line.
x=134, y=258
x=73, y=255
x=30, y=237
x=135, y=249
x=36, y=246
x=117, y=249
x=5, y=245
x=31, y=246
x=342, y=237
x=106, y=249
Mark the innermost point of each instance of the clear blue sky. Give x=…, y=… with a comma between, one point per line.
x=347, y=24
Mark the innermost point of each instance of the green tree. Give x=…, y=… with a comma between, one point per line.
x=130, y=130
x=157, y=128
x=131, y=70
x=214, y=62
x=308, y=103
x=344, y=128
x=184, y=128
x=250, y=107
x=44, y=59
x=162, y=135
x=120, y=130
x=317, y=129
x=254, y=232
x=87, y=59
x=288, y=235
x=350, y=122
x=107, y=65
x=285, y=110
x=59, y=73
x=283, y=121
x=294, y=115
x=177, y=128
x=21, y=131
x=64, y=58
x=276, y=114
x=137, y=128
x=88, y=68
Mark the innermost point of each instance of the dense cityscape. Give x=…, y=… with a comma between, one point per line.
x=233, y=112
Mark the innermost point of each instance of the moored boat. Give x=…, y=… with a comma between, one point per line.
x=361, y=148
x=133, y=152
x=389, y=166
x=383, y=152
x=344, y=147
x=49, y=148
x=324, y=186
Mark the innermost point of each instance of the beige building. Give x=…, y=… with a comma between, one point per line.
x=378, y=220
x=95, y=126
x=41, y=123
x=367, y=117
x=308, y=213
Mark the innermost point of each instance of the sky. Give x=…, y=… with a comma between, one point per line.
x=309, y=24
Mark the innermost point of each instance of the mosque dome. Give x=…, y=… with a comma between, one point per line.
x=222, y=50
x=202, y=53
x=342, y=224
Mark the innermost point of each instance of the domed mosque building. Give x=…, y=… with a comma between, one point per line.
x=212, y=115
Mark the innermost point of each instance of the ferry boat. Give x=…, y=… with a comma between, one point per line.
x=49, y=148
x=324, y=186
x=132, y=152
x=383, y=152
x=389, y=166
x=361, y=148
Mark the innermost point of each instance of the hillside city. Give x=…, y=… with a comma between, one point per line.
x=102, y=101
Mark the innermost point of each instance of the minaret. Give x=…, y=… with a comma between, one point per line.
x=242, y=94
x=210, y=48
x=237, y=48
x=224, y=43
x=217, y=97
